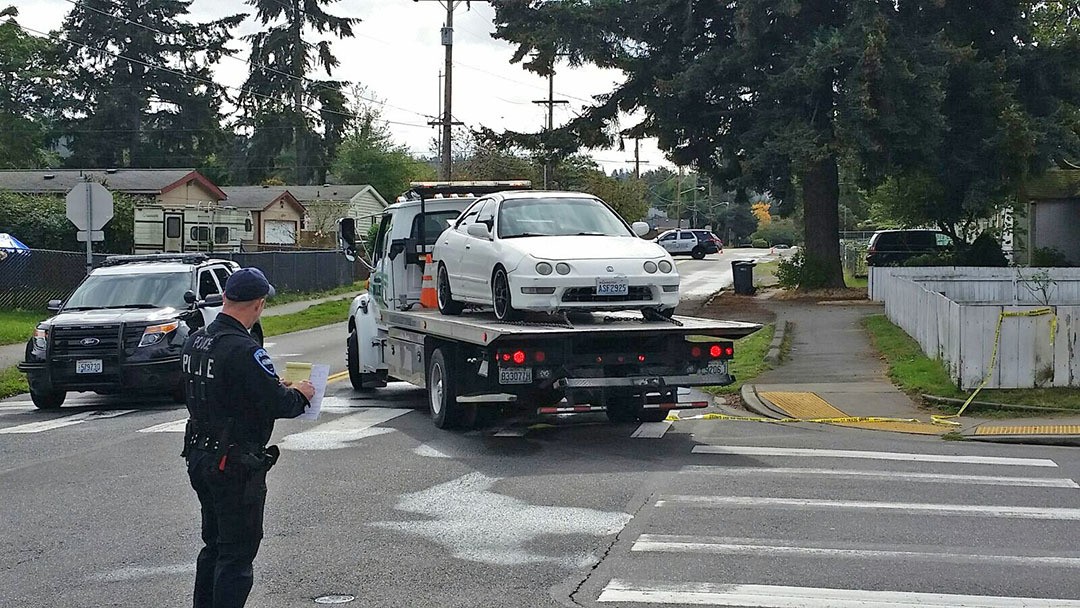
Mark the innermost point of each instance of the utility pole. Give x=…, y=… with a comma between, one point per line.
x=550, y=103
x=446, y=120
x=637, y=158
x=678, y=199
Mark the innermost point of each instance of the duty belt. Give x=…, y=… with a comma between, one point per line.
x=202, y=442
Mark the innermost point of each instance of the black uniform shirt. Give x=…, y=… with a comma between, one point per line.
x=227, y=375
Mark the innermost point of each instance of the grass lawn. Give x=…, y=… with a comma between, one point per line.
x=916, y=373
x=17, y=325
x=12, y=382
x=749, y=360
x=296, y=296
x=327, y=313
x=853, y=281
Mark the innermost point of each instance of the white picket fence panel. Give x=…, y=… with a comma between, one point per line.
x=953, y=314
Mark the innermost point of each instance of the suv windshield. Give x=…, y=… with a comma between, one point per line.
x=559, y=217
x=160, y=289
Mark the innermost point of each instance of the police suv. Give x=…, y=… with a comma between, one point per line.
x=124, y=326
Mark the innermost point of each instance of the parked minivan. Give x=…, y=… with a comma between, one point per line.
x=894, y=247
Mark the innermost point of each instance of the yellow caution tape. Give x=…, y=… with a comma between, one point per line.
x=1036, y=312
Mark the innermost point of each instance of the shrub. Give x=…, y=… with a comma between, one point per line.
x=799, y=271
x=983, y=251
x=759, y=243
x=1048, y=257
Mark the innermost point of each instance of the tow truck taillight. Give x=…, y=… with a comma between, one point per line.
x=520, y=356
x=720, y=350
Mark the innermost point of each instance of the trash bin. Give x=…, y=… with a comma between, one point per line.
x=743, y=272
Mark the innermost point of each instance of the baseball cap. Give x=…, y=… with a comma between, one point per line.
x=248, y=284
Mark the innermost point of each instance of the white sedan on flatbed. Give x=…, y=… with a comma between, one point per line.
x=550, y=251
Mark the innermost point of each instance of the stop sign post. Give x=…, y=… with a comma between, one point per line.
x=89, y=207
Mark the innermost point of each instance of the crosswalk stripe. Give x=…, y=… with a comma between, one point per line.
x=1056, y=513
x=176, y=426
x=340, y=433
x=651, y=430
x=776, y=596
x=56, y=423
x=979, y=480
x=822, y=453
x=741, y=546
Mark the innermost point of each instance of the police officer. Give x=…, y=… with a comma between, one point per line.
x=233, y=398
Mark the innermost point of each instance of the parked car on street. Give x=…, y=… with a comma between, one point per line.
x=549, y=251
x=123, y=327
x=692, y=242
x=894, y=247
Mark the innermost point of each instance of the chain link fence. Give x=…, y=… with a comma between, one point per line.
x=853, y=256
x=30, y=278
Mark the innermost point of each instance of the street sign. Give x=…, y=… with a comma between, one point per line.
x=89, y=206
x=95, y=235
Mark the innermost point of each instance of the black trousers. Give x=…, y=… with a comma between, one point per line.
x=232, y=528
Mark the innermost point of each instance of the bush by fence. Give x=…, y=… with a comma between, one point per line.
x=30, y=279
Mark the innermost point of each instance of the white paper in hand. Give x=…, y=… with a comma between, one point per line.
x=318, y=378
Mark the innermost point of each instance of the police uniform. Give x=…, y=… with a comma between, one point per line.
x=233, y=398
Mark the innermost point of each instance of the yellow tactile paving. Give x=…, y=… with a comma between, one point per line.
x=810, y=406
x=803, y=405
x=1047, y=429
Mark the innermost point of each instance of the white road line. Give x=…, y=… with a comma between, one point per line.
x=775, y=596
x=511, y=432
x=16, y=406
x=978, y=480
x=741, y=546
x=56, y=423
x=176, y=426
x=651, y=430
x=342, y=432
x=1054, y=513
x=756, y=451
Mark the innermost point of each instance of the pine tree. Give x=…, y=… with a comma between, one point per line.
x=27, y=74
x=284, y=108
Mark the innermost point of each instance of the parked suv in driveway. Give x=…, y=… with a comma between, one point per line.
x=894, y=247
x=124, y=326
x=693, y=242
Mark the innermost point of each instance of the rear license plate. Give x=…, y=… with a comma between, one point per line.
x=88, y=366
x=515, y=375
x=715, y=368
x=618, y=286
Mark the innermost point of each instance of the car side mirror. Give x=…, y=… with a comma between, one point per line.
x=347, y=237
x=397, y=246
x=480, y=231
x=54, y=305
x=640, y=228
x=189, y=297
x=211, y=301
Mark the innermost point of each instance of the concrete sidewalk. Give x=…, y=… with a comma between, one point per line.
x=833, y=372
x=12, y=354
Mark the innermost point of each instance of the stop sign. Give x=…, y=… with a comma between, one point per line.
x=94, y=196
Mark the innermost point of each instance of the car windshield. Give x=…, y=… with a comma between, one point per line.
x=159, y=289
x=558, y=217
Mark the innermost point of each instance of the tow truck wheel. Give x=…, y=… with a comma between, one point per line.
x=652, y=415
x=501, y=298
x=352, y=361
x=442, y=391
x=48, y=400
x=447, y=304
x=619, y=406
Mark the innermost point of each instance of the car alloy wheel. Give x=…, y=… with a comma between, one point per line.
x=447, y=304
x=500, y=297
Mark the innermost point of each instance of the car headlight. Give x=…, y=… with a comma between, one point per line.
x=562, y=268
x=665, y=266
x=650, y=267
x=156, y=333
x=41, y=338
x=543, y=268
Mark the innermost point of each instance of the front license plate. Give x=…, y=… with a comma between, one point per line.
x=515, y=375
x=88, y=366
x=618, y=286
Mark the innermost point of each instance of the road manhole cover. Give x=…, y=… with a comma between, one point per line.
x=334, y=599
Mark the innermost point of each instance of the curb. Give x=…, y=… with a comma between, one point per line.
x=772, y=356
x=1060, y=440
x=756, y=404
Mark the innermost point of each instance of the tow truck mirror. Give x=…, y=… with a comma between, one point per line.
x=54, y=305
x=347, y=237
x=189, y=297
x=397, y=246
x=480, y=231
x=640, y=228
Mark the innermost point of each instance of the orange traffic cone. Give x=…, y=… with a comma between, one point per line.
x=428, y=296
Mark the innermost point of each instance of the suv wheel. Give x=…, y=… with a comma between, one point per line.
x=698, y=252
x=50, y=400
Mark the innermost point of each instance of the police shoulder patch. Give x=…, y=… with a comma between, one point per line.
x=263, y=359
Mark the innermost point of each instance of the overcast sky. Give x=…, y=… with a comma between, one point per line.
x=397, y=55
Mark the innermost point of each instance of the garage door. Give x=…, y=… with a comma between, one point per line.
x=279, y=232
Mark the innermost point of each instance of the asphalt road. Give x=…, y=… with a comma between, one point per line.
x=373, y=501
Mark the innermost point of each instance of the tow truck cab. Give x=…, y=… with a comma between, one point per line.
x=626, y=364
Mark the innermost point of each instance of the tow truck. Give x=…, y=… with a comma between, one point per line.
x=630, y=365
